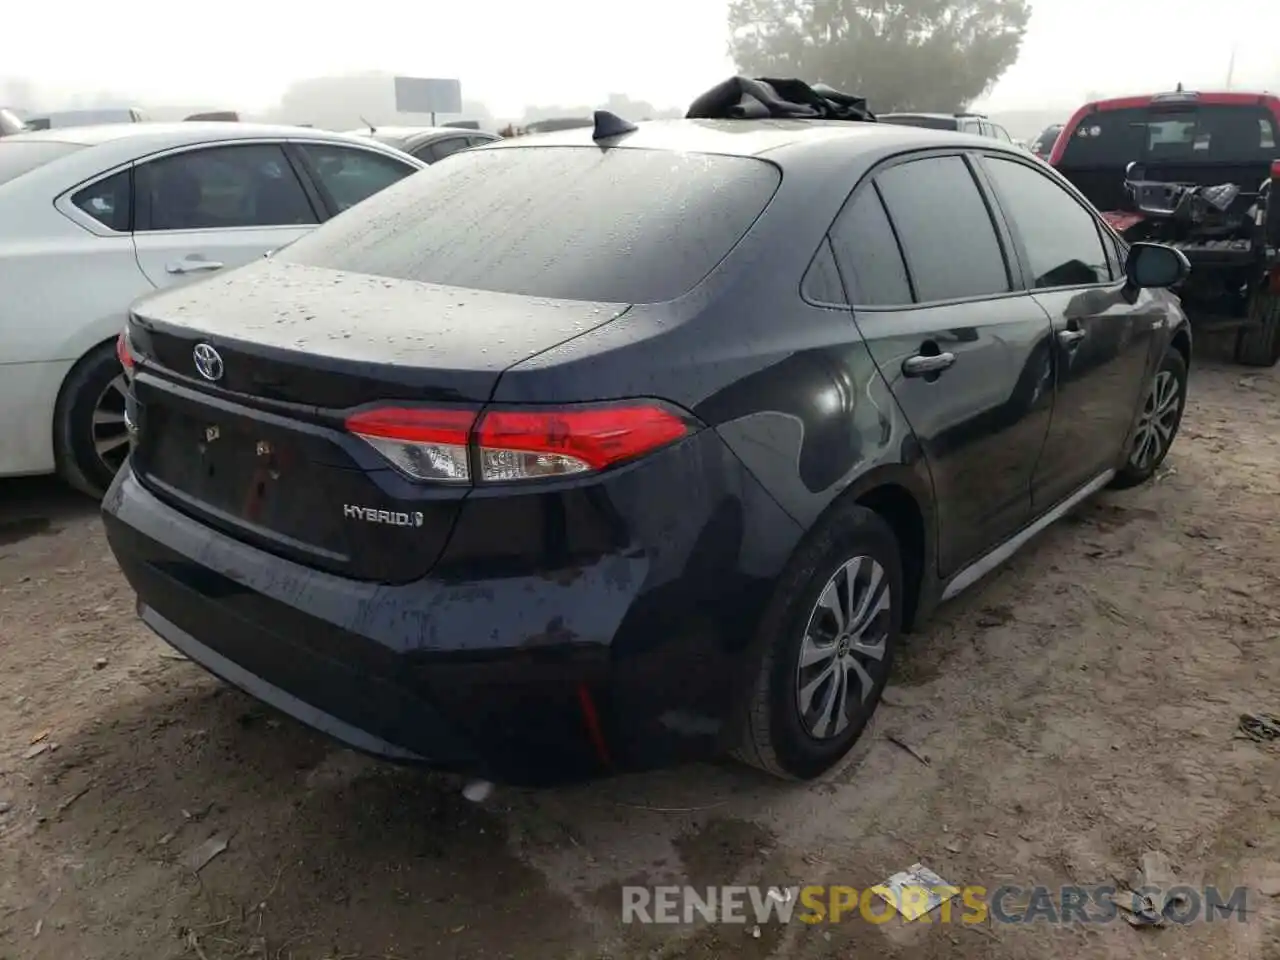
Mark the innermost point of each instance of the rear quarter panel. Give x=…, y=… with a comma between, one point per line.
x=66, y=290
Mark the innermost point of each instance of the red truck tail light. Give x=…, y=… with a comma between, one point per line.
x=509, y=445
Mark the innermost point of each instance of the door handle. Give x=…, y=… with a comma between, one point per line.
x=193, y=266
x=922, y=365
x=1069, y=338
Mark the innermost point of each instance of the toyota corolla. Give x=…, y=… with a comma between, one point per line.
x=599, y=451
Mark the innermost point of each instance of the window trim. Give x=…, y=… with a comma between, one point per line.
x=1028, y=280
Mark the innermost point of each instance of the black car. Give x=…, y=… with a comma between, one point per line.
x=569, y=457
x=428, y=144
x=1043, y=144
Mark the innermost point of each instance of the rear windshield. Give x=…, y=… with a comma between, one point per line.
x=929, y=123
x=1209, y=133
x=22, y=156
x=575, y=223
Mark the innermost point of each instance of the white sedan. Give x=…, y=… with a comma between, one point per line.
x=95, y=217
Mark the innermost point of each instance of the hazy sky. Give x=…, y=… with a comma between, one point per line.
x=243, y=53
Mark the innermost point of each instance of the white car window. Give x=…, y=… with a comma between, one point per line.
x=223, y=187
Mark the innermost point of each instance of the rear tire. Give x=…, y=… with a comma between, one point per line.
x=804, y=718
x=1258, y=345
x=1162, y=410
x=90, y=442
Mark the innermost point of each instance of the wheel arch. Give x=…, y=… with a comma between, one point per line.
x=899, y=495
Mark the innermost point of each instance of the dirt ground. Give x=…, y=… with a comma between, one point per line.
x=1075, y=710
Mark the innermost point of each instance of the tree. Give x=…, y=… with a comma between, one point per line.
x=934, y=55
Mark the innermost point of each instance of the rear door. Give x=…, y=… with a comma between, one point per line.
x=1103, y=334
x=963, y=350
x=210, y=208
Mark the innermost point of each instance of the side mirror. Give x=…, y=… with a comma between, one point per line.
x=1155, y=266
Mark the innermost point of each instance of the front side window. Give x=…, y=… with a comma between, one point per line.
x=219, y=188
x=945, y=230
x=350, y=175
x=1061, y=237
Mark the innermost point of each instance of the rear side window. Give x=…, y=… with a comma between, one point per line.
x=576, y=223
x=868, y=253
x=1209, y=133
x=945, y=229
x=109, y=201
x=18, y=156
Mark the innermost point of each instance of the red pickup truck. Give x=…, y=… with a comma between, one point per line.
x=1199, y=171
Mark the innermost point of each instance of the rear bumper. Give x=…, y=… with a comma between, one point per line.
x=630, y=660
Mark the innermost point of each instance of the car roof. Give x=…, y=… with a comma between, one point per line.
x=932, y=116
x=104, y=146
x=783, y=141
x=413, y=131
x=175, y=133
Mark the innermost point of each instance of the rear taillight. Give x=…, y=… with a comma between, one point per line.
x=124, y=351
x=507, y=445
x=425, y=444
x=1275, y=170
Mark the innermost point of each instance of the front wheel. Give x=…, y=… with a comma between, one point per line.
x=827, y=640
x=1158, y=425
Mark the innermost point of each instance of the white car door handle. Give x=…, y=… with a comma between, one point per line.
x=193, y=266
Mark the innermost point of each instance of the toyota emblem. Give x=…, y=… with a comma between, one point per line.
x=208, y=361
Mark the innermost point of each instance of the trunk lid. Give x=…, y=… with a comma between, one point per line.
x=260, y=451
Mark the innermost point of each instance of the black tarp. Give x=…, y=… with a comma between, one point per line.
x=744, y=98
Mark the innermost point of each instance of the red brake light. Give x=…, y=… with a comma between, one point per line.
x=1275, y=170
x=123, y=352
x=514, y=444
x=523, y=445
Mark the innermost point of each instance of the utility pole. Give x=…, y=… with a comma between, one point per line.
x=1231, y=65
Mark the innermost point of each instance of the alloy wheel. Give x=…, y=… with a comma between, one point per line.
x=110, y=435
x=842, y=656
x=1159, y=420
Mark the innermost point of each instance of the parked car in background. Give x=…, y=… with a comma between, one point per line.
x=428, y=144
x=1042, y=146
x=557, y=125
x=974, y=123
x=11, y=123
x=1201, y=172
x=94, y=217
x=84, y=118
x=584, y=488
